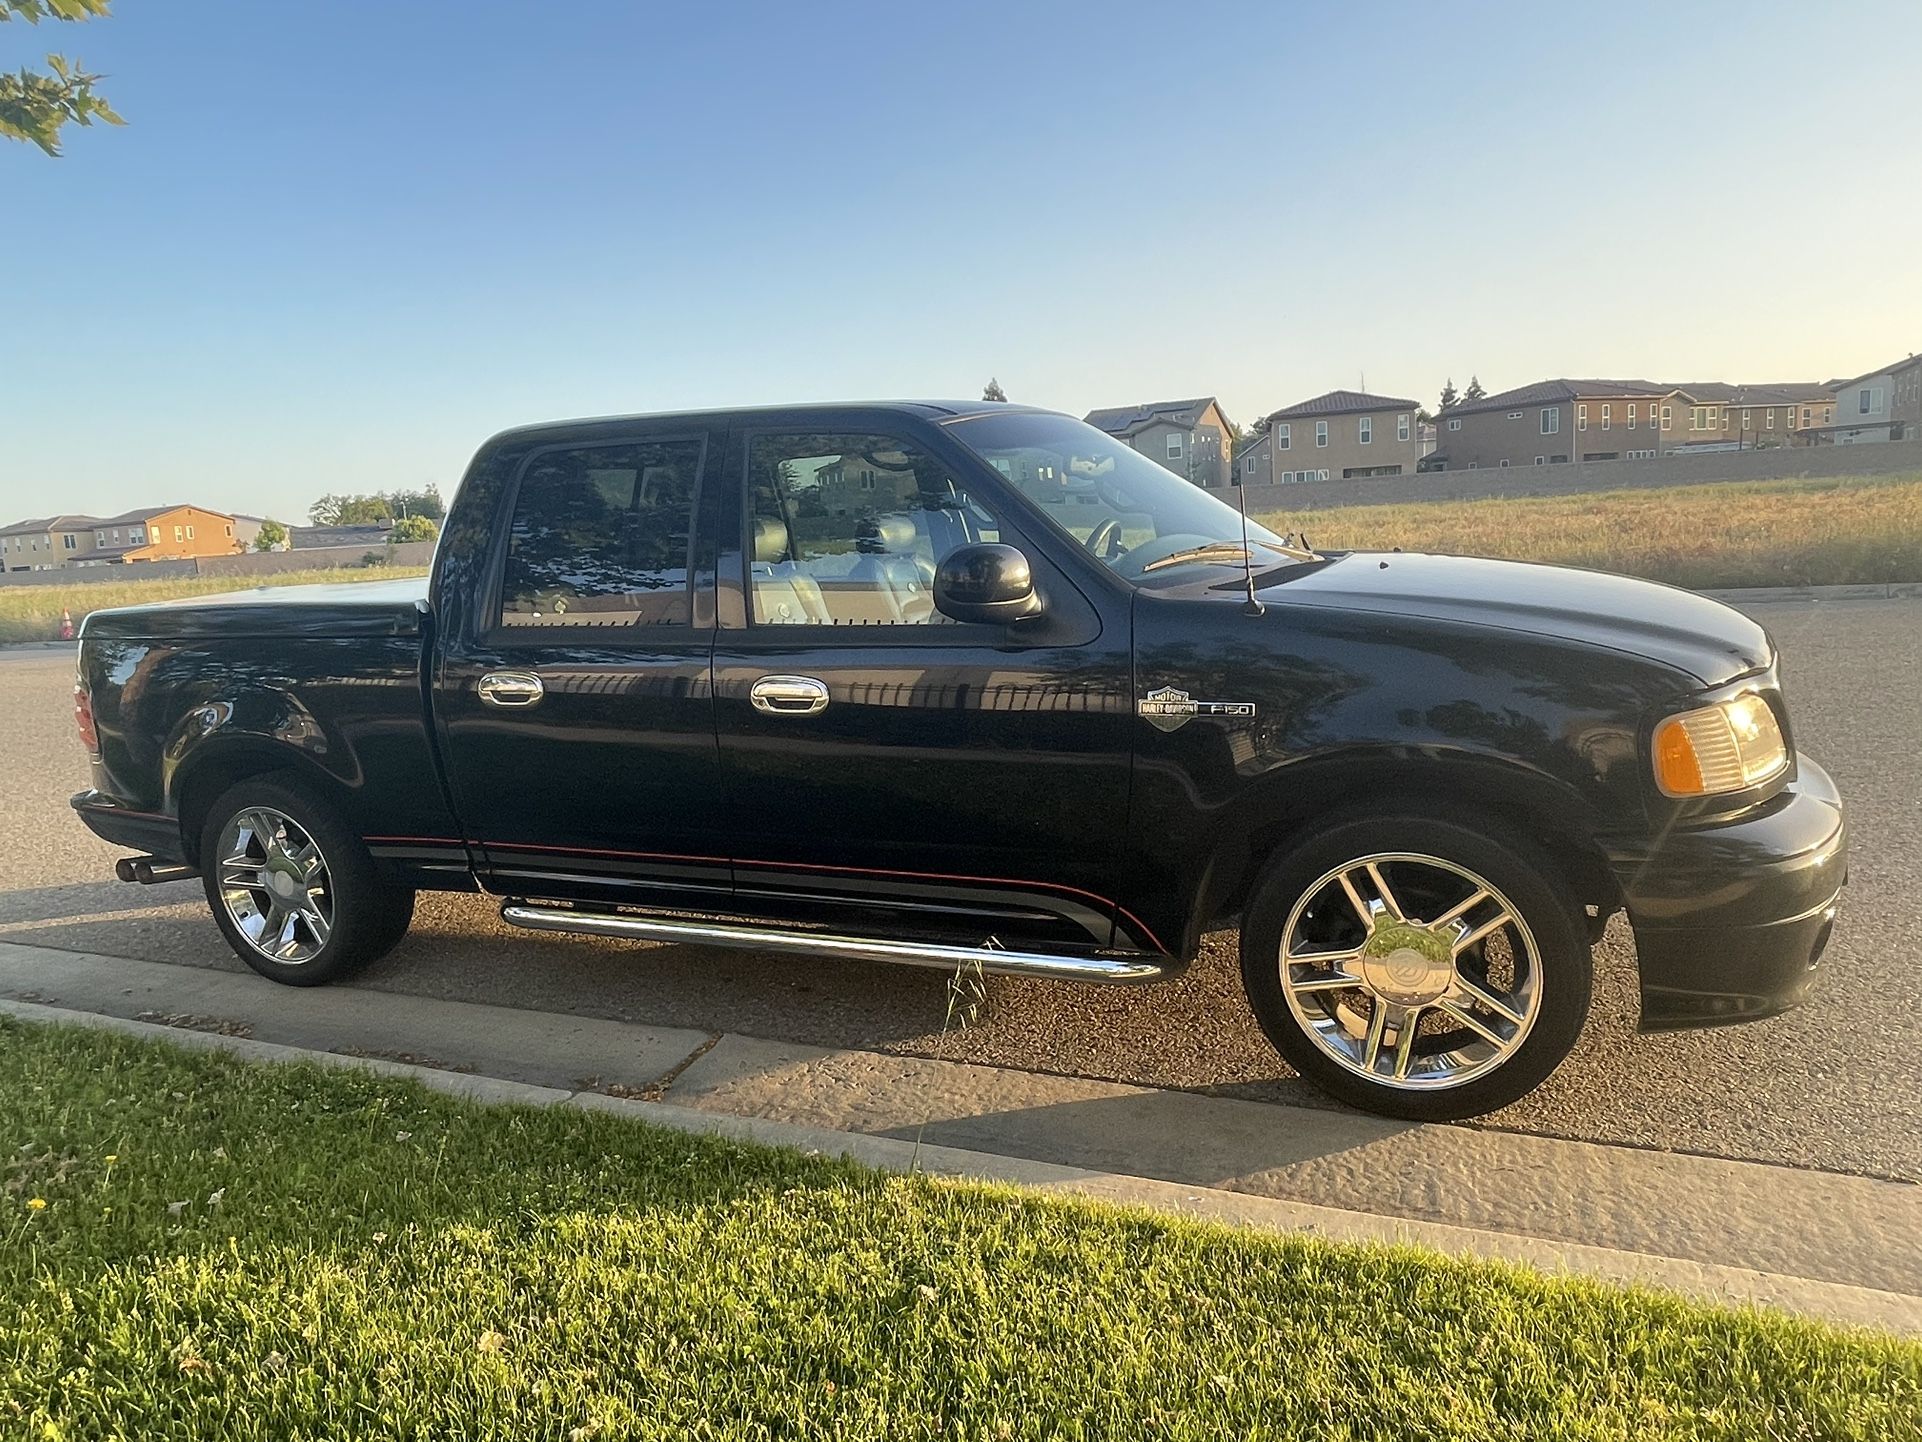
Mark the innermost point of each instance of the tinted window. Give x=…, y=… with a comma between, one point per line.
x=600, y=537
x=847, y=530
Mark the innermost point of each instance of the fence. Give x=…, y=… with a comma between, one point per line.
x=1786, y=463
x=252, y=563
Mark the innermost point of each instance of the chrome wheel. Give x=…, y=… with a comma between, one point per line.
x=1411, y=971
x=275, y=885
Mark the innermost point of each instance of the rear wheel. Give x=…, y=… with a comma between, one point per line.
x=291, y=886
x=1415, y=967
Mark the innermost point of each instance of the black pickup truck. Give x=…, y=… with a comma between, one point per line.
x=977, y=686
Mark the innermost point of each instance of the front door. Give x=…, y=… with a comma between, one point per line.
x=577, y=715
x=883, y=764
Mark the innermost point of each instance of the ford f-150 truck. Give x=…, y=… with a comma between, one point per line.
x=978, y=686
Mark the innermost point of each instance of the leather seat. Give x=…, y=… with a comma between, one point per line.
x=783, y=593
x=890, y=570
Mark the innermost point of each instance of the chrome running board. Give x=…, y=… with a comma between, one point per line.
x=1113, y=969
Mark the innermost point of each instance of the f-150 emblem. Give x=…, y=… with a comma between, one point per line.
x=1167, y=709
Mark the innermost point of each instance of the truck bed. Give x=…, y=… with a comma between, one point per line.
x=352, y=608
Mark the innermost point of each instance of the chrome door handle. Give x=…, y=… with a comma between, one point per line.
x=511, y=690
x=789, y=695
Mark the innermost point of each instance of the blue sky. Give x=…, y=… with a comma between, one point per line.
x=339, y=244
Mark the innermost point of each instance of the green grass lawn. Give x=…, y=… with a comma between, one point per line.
x=32, y=613
x=1744, y=533
x=191, y=1245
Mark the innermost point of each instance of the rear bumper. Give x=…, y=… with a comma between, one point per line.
x=1731, y=920
x=143, y=831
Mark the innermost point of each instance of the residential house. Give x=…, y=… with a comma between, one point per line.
x=1559, y=420
x=1345, y=435
x=1255, y=461
x=1753, y=417
x=161, y=533
x=1884, y=405
x=1189, y=437
x=1554, y=421
x=45, y=545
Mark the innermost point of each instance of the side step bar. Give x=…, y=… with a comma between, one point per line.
x=1114, y=969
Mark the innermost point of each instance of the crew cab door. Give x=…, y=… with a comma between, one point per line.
x=883, y=765
x=573, y=694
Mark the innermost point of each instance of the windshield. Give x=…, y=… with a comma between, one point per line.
x=1141, y=520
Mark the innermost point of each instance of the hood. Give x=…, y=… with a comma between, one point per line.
x=1707, y=640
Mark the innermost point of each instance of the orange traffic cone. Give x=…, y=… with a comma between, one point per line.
x=66, y=624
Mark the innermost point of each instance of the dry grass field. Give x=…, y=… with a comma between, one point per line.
x=32, y=613
x=1750, y=533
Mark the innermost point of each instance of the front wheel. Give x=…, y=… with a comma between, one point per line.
x=1415, y=967
x=292, y=887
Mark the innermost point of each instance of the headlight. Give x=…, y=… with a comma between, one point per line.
x=1729, y=746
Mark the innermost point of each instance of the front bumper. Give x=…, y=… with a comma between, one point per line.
x=144, y=831
x=1731, y=919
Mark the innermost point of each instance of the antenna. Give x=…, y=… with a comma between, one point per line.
x=1253, y=607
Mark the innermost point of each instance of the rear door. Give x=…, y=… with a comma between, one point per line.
x=883, y=764
x=576, y=710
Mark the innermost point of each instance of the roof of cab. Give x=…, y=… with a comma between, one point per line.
x=936, y=411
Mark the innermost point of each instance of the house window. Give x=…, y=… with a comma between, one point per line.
x=1474, y=465
x=1504, y=463
x=1668, y=413
x=1281, y=435
x=1871, y=400
x=1828, y=415
x=1321, y=475
x=1248, y=466
x=1514, y=415
x=178, y=537
x=1366, y=430
x=190, y=533
x=1747, y=416
x=1805, y=415
x=1551, y=420
x=70, y=542
x=1541, y=460
x=1581, y=417
x=1631, y=415
x=1455, y=424
x=1175, y=439
x=1771, y=418
x=1321, y=433
x=1401, y=428
x=1605, y=411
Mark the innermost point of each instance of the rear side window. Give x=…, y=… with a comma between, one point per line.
x=600, y=537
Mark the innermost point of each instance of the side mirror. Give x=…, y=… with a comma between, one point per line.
x=985, y=583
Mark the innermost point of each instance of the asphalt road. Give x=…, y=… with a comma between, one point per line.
x=1836, y=1084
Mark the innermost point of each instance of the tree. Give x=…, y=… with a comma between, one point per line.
x=1474, y=391
x=332, y=510
x=413, y=528
x=1448, y=396
x=994, y=391
x=424, y=502
x=270, y=535
x=35, y=104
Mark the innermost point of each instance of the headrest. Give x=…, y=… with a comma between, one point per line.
x=884, y=534
x=770, y=539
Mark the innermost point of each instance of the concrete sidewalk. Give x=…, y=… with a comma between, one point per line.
x=1839, y=1246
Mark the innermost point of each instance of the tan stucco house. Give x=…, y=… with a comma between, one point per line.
x=46, y=545
x=1189, y=437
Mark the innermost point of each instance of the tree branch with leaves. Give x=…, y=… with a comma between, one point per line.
x=36, y=104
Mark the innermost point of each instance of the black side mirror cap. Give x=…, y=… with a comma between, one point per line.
x=985, y=584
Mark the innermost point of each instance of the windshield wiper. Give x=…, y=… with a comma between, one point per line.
x=1229, y=553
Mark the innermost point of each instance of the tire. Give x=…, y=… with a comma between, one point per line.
x=1465, y=1054
x=319, y=915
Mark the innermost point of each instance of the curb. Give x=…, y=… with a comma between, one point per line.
x=1714, y=1283
x=1878, y=591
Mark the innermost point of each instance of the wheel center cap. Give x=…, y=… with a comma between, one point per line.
x=1407, y=964
x=285, y=884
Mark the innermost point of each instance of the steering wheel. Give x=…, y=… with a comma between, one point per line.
x=1104, y=541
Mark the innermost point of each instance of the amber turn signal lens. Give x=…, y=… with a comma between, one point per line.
x=1676, y=768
